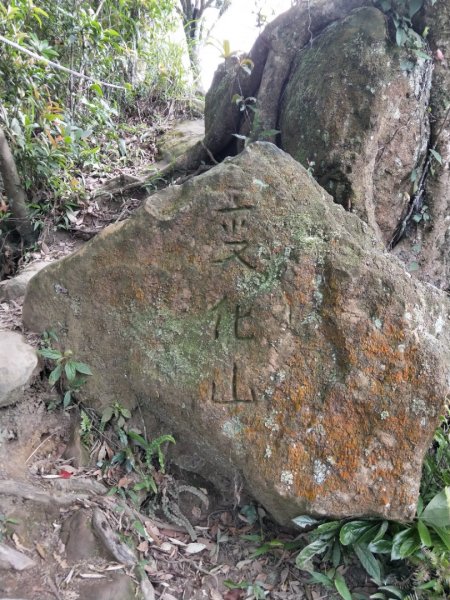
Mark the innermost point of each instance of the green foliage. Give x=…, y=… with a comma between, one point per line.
x=415, y=555
x=85, y=428
x=5, y=526
x=55, y=120
x=68, y=374
x=135, y=454
x=402, y=13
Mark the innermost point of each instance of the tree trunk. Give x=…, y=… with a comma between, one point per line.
x=15, y=193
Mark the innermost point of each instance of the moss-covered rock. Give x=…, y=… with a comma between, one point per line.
x=268, y=330
x=356, y=107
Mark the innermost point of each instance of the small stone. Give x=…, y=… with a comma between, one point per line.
x=113, y=587
x=18, y=366
x=79, y=539
x=14, y=288
x=13, y=559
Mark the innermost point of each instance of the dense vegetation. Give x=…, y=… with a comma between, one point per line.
x=70, y=71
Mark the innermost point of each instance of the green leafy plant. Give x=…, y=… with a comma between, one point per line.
x=5, y=526
x=416, y=556
x=402, y=13
x=135, y=454
x=68, y=374
x=115, y=412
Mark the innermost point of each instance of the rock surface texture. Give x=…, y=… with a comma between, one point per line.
x=267, y=327
x=362, y=118
x=18, y=363
x=14, y=288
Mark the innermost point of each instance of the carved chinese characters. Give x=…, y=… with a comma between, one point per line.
x=229, y=385
x=262, y=326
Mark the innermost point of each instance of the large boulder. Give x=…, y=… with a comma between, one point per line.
x=360, y=118
x=267, y=328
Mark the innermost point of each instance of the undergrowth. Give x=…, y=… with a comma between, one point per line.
x=404, y=561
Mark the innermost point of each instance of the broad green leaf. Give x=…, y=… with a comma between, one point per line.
x=82, y=368
x=50, y=353
x=398, y=540
x=424, y=534
x=140, y=529
x=383, y=528
x=309, y=551
x=421, y=54
x=326, y=531
x=381, y=547
x=107, y=414
x=395, y=591
x=336, y=554
x=141, y=441
x=55, y=375
x=437, y=511
x=305, y=521
x=125, y=413
x=268, y=547
x=444, y=534
x=436, y=155
x=410, y=546
x=341, y=587
x=268, y=133
x=67, y=399
x=414, y=7
x=352, y=531
x=400, y=36
x=369, y=562
x=321, y=578
x=97, y=89
x=70, y=370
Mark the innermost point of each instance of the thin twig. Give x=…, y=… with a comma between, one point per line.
x=41, y=444
x=57, y=65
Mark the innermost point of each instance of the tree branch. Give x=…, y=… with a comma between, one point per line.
x=15, y=193
x=57, y=65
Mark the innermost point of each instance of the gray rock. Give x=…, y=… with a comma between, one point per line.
x=14, y=288
x=18, y=366
x=13, y=559
x=79, y=539
x=180, y=139
x=268, y=330
x=360, y=118
x=113, y=587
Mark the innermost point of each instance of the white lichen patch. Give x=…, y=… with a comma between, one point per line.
x=439, y=325
x=232, y=428
x=320, y=471
x=271, y=423
x=384, y=415
x=268, y=452
x=419, y=407
x=287, y=478
x=378, y=323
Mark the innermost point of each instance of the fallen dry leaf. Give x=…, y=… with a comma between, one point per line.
x=194, y=548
